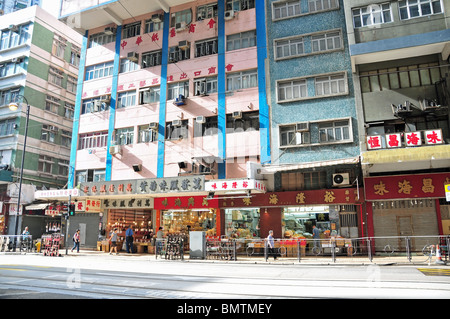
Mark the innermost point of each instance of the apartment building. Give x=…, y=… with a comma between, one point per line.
x=39, y=58
x=400, y=62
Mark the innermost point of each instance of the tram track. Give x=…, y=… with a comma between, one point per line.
x=114, y=284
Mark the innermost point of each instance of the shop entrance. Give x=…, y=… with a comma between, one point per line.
x=181, y=222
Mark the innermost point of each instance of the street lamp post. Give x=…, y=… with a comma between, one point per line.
x=13, y=106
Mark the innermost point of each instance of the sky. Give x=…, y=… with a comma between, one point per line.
x=51, y=6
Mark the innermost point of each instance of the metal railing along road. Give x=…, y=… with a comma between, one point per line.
x=409, y=249
x=23, y=243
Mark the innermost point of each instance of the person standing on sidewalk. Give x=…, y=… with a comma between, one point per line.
x=129, y=239
x=271, y=246
x=76, y=241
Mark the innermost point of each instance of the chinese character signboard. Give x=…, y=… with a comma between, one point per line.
x=131, y=203
x=406, y=186
x=185, y=202
x=235, y=185
x=410, y=139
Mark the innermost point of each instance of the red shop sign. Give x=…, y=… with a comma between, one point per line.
x=185, y=202
x=406, y=186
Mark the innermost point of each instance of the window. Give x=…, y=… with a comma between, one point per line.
x=288, y=48
x=322, y=5
x=75, y=56
x=90, y=175
x=208, y=128
x=94, y=105
x=242, y=80
x=292, y=90
x=289, y=135
x=52, y=104
x=286, y=9
x=153, y=26
x=66, y=138
x=149, y=95
x=48, y=133
x=55, y=76
x=400, y=77
x=131, y=30
x=247, y=121
x=207, y=11
x=326, y=42
x=9, y=95
x=177, y=54
x=418, y=8
x=184, y=16
x=177, y=130
x=205, y=47
x=177, y=89
x=125, y=136
x=71, y=84
x=241, y=40
x=372, y=15
x=14, y=36
x=147, y=135
x=11, y=67
x=7, y=127
x=69, y=110
x=205, y=86
x=93, y=140
x=126, y=99
x=99, y=70
x=45, y=164
x=330, y=85
x=240, y=5
x=63, y=167
x=99, y=39
x=127, y=65
x=59, y=47
x=152, y=58
x=334, y=131
x=303, y=181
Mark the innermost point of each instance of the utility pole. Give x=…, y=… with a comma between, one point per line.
x=67, y=225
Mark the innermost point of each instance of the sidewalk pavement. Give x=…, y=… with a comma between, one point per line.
x=102, y=260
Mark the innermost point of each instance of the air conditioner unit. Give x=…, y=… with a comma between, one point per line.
x=229, y=14
x=110, y=30
x=153, y=126
x=237, y=115
x=200, y=119
x=302, y=127
x=105, y=98
x=184, y=45
x=133, y=56
x=115, y=149
x=156, y=18
x=341, y=179
x=97, y=105
x=180, y=26
x=176, y=122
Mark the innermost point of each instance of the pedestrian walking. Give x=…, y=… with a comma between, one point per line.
x=159, y=240
x=316, y=236
x=113, y=240
x=271, y=246
x=129, y=240
x=76, y=241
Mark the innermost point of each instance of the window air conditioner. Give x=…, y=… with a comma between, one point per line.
x=115, y=149
x=341, y=179
x=180, y=26
x=153, y=126
x=133, y=56
x=302, y=127
x=200, y=119
x=229, y=14
x=176, y=123
x=237, y=115
x=97, y=105
x=109, y=30
x=183, y=45
x=156, y=18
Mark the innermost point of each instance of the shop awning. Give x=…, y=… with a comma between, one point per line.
x=271, y=169
x=36, y=206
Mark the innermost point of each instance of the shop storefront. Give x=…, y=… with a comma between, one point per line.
x=292, y=214
x=407, y=205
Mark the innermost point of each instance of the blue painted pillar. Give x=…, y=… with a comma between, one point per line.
x=221, y=85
